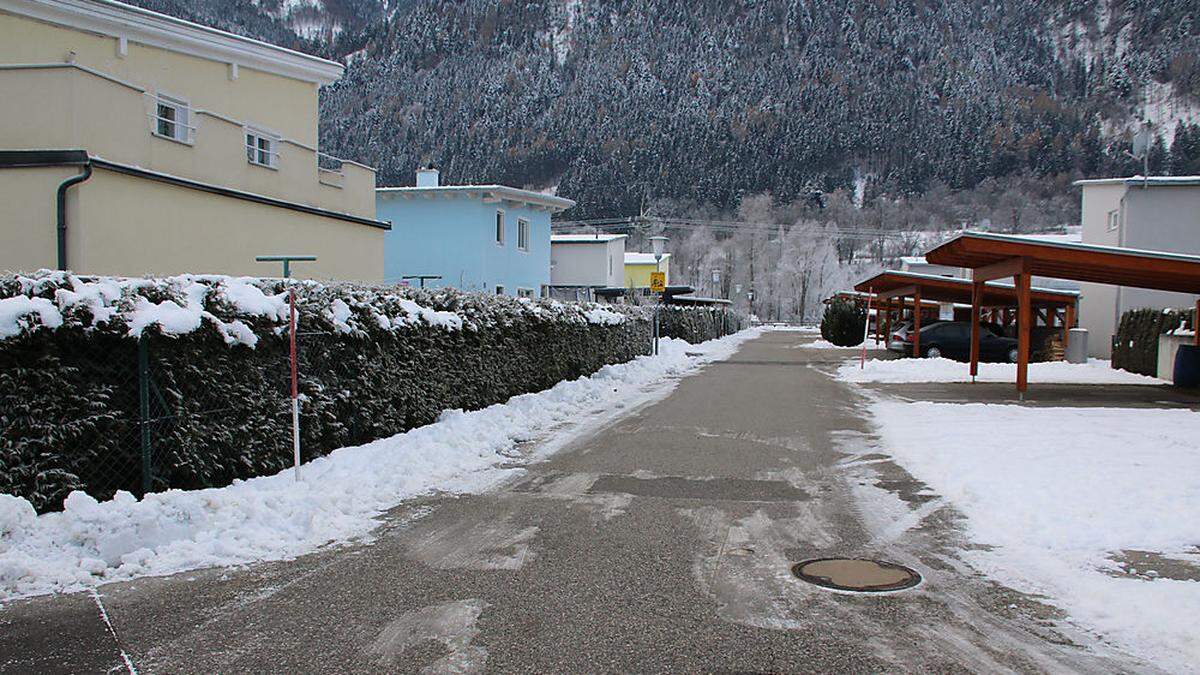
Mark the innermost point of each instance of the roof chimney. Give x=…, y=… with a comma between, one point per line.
x=427, y=177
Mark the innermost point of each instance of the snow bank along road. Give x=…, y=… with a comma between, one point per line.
x=662, y=541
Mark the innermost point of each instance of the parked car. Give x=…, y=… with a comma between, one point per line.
x=952, y=340
x=900, y=331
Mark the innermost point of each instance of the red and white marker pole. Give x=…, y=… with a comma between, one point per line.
x=295, y=391
x=862, y=360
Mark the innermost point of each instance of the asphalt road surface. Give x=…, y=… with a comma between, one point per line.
x=664, y=541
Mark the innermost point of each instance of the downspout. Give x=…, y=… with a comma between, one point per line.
x=61, y=213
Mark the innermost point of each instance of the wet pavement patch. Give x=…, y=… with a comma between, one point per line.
x=718, y=489
x=856, y=574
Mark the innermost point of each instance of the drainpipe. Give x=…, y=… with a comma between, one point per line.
x=61, y=216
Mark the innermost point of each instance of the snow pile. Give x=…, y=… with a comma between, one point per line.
x=1095, y=371
x=1056, y=493
x=18, y=313
x=821, y=343
x=243, y=308
x=603, y=317
x=341, y=494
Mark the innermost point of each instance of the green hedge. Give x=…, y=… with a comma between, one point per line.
x=69, y=399
x=697, y=324
x=1135, y=346
x=842, y=323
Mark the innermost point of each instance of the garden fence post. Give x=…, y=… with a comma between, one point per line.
x=144, y=412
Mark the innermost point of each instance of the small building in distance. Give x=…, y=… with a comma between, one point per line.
x=136, y=143
x=581, y=264
x=1156, y=213
x=638, y=267
x=490, y=238
x=918, y=265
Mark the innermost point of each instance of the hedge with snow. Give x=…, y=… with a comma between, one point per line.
x=374, y=361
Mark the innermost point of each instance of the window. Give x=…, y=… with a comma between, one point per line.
x=171, y=117
x=524, y=292
x=499, y=228
x=499, y=290
x=1114, y=219
x=260, y=148
x=523, y=236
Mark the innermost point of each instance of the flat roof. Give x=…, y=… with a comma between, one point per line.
x=143, y=26
x=1156, y=181
x=958, y=290
x=584, y=238
x=1159, y=270
x=696, y=300
x=635, y=258
x=487, y=192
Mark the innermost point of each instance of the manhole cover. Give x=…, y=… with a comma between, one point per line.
x=856, y=574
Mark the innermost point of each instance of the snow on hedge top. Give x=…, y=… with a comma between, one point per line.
x=243, y=308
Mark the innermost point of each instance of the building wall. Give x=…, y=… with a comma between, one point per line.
x=129, y=226
x=454, y=236
x=1159, y=218
x=285, y=105
x=598, y=263
x=108, y=113
x=28, y=239
x=638, y=275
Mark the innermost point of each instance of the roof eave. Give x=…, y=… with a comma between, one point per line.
x=143, y=26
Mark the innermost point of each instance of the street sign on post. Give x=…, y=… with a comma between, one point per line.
x=658, y=282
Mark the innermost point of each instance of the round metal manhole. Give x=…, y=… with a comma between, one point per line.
x=857, y=575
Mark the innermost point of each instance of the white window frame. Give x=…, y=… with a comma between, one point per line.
x=1114, y=220
x=180, y=122
x=523, y=235
x=499, y=289
x=499, y=234
x=524, y=292
x=254, y=152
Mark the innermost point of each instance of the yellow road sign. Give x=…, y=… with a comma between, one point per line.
x=658, y=282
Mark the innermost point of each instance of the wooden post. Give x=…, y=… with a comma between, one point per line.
x=887, y=326
x=1196, y=323
x=976, y=298
x=917, y=322
x=1024, y=319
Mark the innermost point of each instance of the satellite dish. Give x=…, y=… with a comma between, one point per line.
x=1141, y=142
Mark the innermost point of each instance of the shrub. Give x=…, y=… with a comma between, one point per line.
x=373, y=362
x=1135, y=346
x=842, y=323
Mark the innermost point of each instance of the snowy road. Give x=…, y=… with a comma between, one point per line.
x=661, y=542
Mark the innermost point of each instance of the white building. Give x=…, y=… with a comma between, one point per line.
x=918, y=265
x=582, y=263
x=1157, y=213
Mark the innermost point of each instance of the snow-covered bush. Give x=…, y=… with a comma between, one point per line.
x=373, y=361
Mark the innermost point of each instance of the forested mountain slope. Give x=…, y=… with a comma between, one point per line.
x=619, y=102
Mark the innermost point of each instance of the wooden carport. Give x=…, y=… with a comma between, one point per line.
x=997, y=256
x=896, y=287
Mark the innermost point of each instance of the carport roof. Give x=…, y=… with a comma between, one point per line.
x=1158, y=270
x=953, y=289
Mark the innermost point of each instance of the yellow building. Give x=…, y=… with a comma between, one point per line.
x=134, y=143
x=638, y=267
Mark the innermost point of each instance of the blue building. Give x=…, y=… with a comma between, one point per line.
x=475, y=237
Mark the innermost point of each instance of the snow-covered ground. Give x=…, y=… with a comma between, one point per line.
x=1095, y=371
x=340, y=497
x=815, y=330
x=821, y=343
x=1053, y=495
